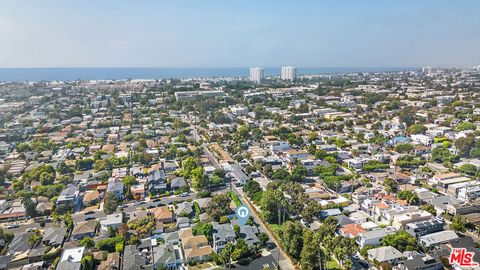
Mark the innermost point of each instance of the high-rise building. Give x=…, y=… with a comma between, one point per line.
x=256, y=74
x=427, y=70
x=289, y=73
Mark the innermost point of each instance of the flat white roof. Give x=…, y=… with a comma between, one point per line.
x=72, y=254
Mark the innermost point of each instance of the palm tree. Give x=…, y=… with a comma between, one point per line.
x=56, y=217
x=226, y=254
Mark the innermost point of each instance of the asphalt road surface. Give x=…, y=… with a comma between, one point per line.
x=131, y=207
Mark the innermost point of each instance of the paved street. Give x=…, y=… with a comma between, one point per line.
x=258, y=263
x=357, y=265
x=284, y=261
x=96, y=215
x=130, y=207
x=26, y=224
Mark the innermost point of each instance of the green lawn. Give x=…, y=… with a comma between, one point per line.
x=333, y=265
x=235, y=199
x=202, y=266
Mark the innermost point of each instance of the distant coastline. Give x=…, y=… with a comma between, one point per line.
x=69, y=74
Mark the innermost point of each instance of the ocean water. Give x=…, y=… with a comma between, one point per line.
x=68, y=74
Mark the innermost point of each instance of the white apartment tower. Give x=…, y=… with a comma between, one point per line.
x=289, y=73
x=256, y=74
x=427, y=70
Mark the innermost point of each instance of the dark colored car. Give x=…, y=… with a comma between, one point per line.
x=271, y=245
x=364, y=264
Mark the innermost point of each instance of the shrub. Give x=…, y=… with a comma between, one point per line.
x=235, y=199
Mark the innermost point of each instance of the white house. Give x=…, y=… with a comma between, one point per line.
x=423, y=139
x=374, y=237
x=112, y=221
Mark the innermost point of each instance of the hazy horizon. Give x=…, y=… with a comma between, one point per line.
x=218, y=34
x=117, y=73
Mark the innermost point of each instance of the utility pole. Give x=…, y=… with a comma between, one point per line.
x=320, y=259
x=278, y=248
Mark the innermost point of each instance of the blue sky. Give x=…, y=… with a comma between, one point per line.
x=239, y=33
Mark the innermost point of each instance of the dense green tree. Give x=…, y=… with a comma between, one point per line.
x=298, y=173
x=251, y=188
x=263, y=238
x=404, y=148
x=226, y=255
x=290, y=234
x=296, y=197
x=416, y=129
x=29, y=205
x=408, y=161
x=311, y=210
x=475, y=152
x=281, y=174
x=23, y=147
x=220, y=173
x=429, y=208
x=129, y=181
x=465, y=126
x=34, y=238
x=270, y=205
x=442, y=154
x=85, y=164
x=205, y=229
x=468, y=169
x=458, y=224
x=241, y=250
x=409, y=196
x=188, y=165
x=219, y=206
x=111, y=203
x=87, y=242
x=216, y=180
x=309, y=257
x=390, y=185
x=464, y=145
x=35, y=174
x=142, y=157
x=109, y=244
x=402, y=241
x=324, y=171
x=63, y=168
x=199, y=179
x=407, y=115
x=374, y=165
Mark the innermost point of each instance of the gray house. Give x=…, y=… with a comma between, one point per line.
x=69, y=196
x=249, y=234
x=438, y=238
x=423, y=262
x=425, y=227
x=134, y=259
x=177, y=183
x=222, y=234
x=166, y=256
x=117, y=188
x=84, y=229
x=185, y=208
x=385, y=254
x=54, y=236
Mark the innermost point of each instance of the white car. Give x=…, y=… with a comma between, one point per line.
x=12, y=226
